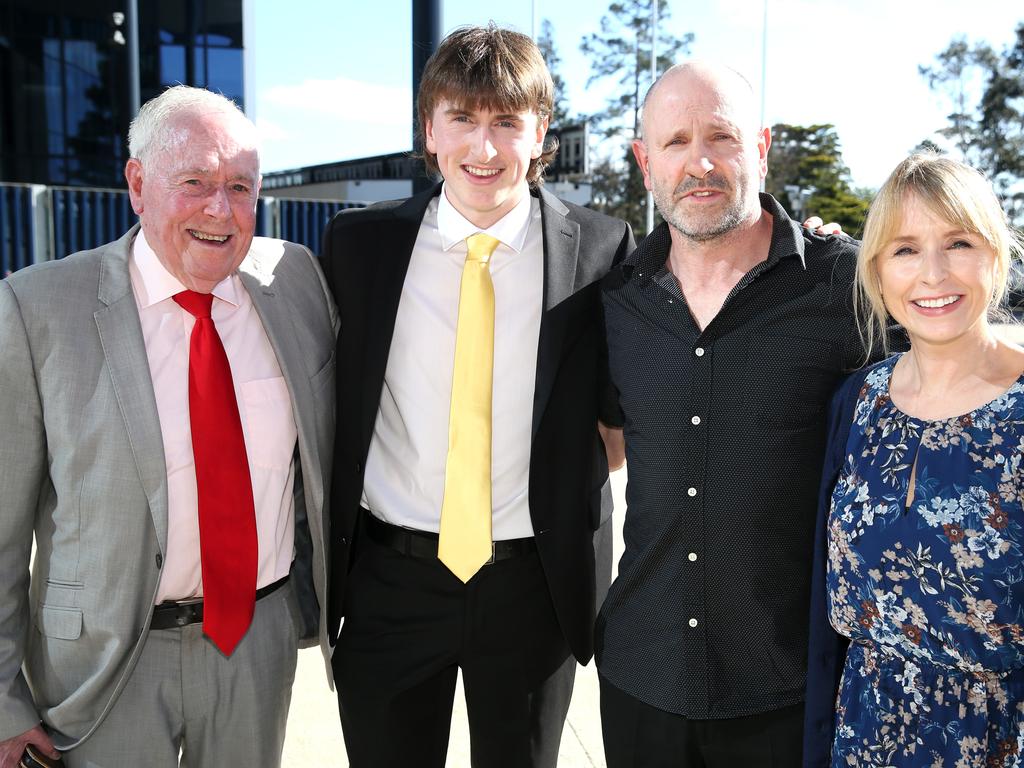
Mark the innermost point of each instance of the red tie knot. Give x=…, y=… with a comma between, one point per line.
x=196, y=304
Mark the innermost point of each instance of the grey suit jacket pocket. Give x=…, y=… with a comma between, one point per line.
x=60, y=623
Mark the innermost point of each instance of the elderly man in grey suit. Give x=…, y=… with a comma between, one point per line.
x=166, y=416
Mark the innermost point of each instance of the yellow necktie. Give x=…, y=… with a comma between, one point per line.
x=465, y=542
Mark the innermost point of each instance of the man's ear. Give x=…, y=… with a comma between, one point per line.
x=133, y=174
x=642, y=160
x=542, y=132
x=764, y=142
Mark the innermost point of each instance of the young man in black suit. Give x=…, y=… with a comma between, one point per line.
x=469, y=471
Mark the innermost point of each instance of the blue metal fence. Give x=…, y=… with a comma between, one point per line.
x=17, y=230
x=38, y=223
x=87, y=218
x=304, y=221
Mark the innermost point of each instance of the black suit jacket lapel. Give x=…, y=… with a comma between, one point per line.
x=561, y=253
x=389, y=254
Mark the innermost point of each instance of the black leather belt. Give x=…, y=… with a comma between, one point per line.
x=181, y=614
x=423, y=544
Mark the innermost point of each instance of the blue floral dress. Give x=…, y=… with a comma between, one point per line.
x=931, y=595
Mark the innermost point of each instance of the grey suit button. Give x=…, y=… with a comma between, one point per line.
x=359, y=467
x=159, y=560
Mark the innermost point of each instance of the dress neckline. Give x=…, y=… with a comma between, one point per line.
x=891, y=365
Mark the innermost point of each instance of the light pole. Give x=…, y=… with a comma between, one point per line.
x=654, y=76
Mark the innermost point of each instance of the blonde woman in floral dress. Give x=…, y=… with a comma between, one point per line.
x=920, y=568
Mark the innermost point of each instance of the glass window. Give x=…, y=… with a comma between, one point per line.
x=226, y=73
x=172, y=65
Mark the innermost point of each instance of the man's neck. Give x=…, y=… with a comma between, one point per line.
x=707, y=271
x=737, y=251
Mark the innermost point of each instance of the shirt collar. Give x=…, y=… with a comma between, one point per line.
x=510, y=229
x=651, y=253
x=157, y=284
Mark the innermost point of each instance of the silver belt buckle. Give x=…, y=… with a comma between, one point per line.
x=491, y=560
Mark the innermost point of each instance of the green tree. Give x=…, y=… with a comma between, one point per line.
x=546, y=42
x=987, y=131
x=621, y=52
x=807, y=175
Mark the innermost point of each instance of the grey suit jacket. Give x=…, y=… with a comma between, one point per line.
x=82, y=468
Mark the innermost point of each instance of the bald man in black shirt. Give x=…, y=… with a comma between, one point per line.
x=728, y=329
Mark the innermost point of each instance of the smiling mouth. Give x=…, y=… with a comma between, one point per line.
x=481, y=172
x=208, y=236
x=703, y=193
x=944, y=301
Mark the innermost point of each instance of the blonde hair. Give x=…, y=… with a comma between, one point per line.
x=953, y=192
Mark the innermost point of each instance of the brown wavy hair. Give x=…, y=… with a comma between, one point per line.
x=487, y=68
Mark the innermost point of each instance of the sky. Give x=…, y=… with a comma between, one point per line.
x=331, y=79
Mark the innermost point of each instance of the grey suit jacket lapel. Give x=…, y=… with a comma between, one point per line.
x=257, y=275
x=561, y=253
x=120, y=333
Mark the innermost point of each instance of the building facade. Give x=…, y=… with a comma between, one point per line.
x=64, y=80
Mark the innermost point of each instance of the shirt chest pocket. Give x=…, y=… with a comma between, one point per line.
x=791, y=380
x=270, y=425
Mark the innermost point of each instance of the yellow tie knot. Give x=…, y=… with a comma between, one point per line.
x=481, y=247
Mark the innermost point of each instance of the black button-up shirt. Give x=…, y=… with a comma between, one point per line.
x=725, y=433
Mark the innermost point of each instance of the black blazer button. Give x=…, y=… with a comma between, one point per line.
x=159, y=560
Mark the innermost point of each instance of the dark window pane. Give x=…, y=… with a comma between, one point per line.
x=172, y=64
x=226, y=72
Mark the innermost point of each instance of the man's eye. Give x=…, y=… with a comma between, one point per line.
x=240, y=188
x=192, y=182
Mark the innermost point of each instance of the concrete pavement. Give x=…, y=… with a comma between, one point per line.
x=314, y=733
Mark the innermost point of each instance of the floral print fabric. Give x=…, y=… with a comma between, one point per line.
x=931, y=594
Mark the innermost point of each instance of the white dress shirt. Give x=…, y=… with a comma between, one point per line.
x=405, y=467
x=264, y=406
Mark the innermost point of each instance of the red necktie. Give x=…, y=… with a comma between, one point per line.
x=227, y=516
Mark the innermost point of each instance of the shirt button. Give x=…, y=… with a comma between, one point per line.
x=699, y=351
x=695, y=420
x=691, y=492
x=692, y=622
x=692, y=557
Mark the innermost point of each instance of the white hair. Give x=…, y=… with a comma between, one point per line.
x=148, y=131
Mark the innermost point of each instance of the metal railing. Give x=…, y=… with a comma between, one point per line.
x=39, y=223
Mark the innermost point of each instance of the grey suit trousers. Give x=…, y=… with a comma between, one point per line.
x=186, y=700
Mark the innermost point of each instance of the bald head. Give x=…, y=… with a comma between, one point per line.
x=702, y=152
x=704, y=84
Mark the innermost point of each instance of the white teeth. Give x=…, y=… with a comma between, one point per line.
x=936, y=303
x=204, y=236
x=482, y=171
x=701, y=194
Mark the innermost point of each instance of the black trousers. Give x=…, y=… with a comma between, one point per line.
x=637, y=735
x=410, y=625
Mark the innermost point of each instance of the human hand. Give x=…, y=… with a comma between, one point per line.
x=815, y=223
x=13, y=748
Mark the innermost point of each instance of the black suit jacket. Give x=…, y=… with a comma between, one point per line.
x=365, y=257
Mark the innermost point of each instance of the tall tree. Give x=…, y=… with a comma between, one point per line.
x=546, y=42
x=806, y=173
x=988, y=132
x=621, y=52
